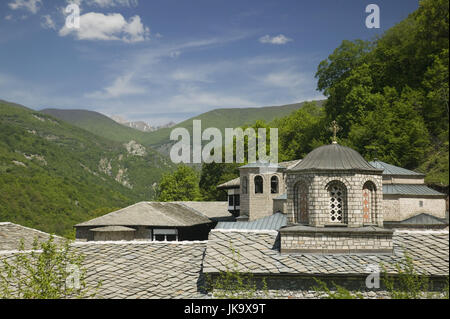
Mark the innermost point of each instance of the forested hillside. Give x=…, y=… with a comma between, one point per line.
x=54, y=175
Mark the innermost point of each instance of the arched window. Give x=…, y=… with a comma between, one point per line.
x=301, y=208
x=259, y=189
x=274, y=185
x=369, y=202
x=244, y=185
x=337, y=202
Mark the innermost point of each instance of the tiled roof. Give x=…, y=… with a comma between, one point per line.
x=409, y=189
x=11, y=234
x=273, y=222
x=389, y=169
x=259, y=253
x=151, y=214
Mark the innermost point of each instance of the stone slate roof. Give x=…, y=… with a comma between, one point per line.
x=410, y=189
x=144, y=269
x=273, y=222
x=11, y=234
x=212, y=210
x=259, y=254
x=151, y=214
x=389, y=169
x=139, y=270
x=234, y=183
x=334, y=157
x=113, y=229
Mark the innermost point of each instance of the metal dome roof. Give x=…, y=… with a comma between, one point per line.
x=334, y=157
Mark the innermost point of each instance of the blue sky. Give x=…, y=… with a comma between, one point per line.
x=169, y=60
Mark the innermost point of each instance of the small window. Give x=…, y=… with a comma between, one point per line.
x=259, y=189
x=231, y=200
x=274, y=185
x=165, y=235
x=421, y=203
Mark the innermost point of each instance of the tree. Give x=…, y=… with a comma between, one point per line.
x=214, y=174
x=234, y=283
x=181, y=185
x=49, y=271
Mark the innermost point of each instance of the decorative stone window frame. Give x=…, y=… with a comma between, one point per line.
x=297, y=214
x=377, y=215
x=290, y=185
x=332, y=209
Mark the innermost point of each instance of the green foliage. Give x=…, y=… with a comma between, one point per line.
x=300, y=132
x=214, y=174
x=407, y=283
x=181, y=185
x=51, y=177
x=226, y=118
x=49, y=271
x=338, y=292
x=235, y=284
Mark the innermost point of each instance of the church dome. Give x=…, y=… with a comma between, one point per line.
x=334, y=157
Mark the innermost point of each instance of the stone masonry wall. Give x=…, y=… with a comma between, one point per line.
x=259, y=205
x=318, y=182
x=335, y=243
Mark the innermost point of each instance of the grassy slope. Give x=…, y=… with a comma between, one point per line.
x=64, y=185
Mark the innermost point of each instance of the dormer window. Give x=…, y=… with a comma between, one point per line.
x=259, y=189
x=274, y=185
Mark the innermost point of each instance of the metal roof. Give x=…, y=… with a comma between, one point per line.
x=409, y=189
x=334, y=157
x=423, y=219
x=389, y=169
x=273, y=222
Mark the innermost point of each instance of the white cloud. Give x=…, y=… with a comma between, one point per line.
x=105, y=3
x=285, y=79
x=98, y=26
x=47, y=22
x=30, y=5
x=113, y=3
x=279, y=39
x=122, y=86
x=9, y=17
